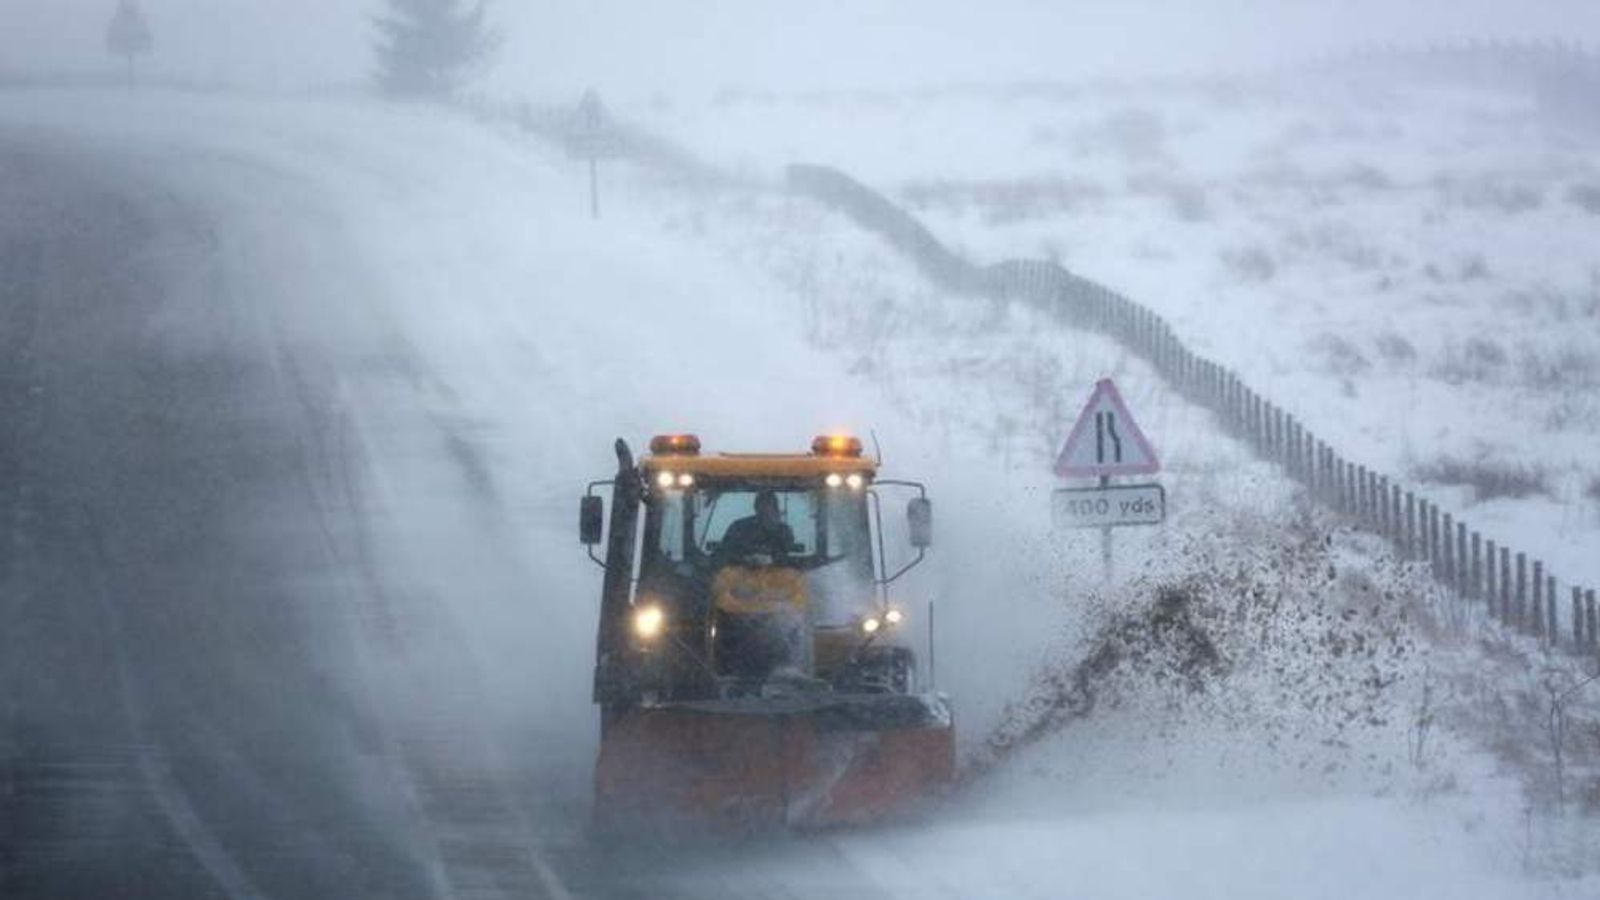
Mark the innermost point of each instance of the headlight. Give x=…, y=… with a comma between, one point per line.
x=648, y=621
x=685, y=480
x=834, y=479
x=894, y=617
x=871, y=625
x=855, y=481
x=665, y=479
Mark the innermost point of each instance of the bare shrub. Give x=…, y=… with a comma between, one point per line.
x=1489, y=193
x=1473, y=267
x=1341, y=356
x=1136, y=133
x=1562, y=368
x=1188, y=200
x=1575, y=409
x=1585, y=197
x=1479, y=360
x=1366, y=176
x=1488, y=479
x=1395, y=349
x=1340, y=242
x=1557, y=303
x=1253, y=263
x=1005, y=200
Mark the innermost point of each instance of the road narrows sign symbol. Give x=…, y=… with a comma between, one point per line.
x=1106, y=442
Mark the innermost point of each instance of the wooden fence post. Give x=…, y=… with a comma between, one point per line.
x=1477, y=566
x=1522, y=590
x=1593, y=615
x=1397, y=520
x=1577, y=619
x=1537, y=606
x=1551, y=616
x=1496, y=609
x=1292, y=449
x=1462, y=581
x=1507, y=611
x=1359, y=495
x=1411, y=525
x=1448, y=556
x=1432, y=540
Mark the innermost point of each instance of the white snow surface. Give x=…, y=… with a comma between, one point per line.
x=757, y=322
x=1410, y=270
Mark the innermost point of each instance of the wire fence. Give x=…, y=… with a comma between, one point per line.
x=1520, y=592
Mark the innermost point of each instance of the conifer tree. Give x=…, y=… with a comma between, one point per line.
x=427, y=48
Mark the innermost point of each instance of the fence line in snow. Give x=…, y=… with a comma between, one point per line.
x=1516, y=591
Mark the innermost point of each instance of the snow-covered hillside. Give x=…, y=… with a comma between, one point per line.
x=1410, y=270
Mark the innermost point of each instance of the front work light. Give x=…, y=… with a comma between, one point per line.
x=870, y=625
x=894, y=617
x=648, y=621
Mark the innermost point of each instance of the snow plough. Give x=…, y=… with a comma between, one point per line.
x=751, y=670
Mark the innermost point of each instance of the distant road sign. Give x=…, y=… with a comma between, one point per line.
x=594, y=145
x=1105, y=441
x=1110, y=507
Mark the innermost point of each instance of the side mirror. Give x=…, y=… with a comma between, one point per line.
x=919, y=515
x=591, y=513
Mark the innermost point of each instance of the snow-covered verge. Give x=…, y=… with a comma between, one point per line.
x=1338, y=683
x=538, y=336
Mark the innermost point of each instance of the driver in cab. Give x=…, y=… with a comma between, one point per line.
x=763, y=534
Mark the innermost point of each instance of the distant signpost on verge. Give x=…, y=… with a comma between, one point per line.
x=1106, y=443
x=592, y=138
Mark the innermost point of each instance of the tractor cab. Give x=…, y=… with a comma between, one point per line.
x=750, y=586
x=760, y=573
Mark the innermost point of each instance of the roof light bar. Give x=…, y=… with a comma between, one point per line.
x=836, y=445
x=675, y=445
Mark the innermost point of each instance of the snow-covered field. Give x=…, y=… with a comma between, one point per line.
x=1410, y=270
x=1273, y=765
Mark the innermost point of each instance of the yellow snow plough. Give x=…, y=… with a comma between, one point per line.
x=751, y=670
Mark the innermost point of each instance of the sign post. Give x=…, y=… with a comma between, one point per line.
x=593, y=137
x=1105, y=443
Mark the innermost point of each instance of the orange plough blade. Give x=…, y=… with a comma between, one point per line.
x=754, y=765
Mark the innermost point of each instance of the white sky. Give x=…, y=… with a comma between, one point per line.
x=555, y=47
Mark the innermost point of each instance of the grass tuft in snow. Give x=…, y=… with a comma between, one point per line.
x=1340, y=355
x=1479, y=360
x=1586, y=197
x=1252, y=264
x=1489, y=480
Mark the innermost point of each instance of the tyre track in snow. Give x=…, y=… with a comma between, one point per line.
x=477, y=840
x=175, y=723
x=300, y=713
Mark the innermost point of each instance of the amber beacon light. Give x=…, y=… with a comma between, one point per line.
x=675, y=445
x=836, y=445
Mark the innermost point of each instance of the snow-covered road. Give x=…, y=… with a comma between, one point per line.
x=293, y=604
x=298, y=397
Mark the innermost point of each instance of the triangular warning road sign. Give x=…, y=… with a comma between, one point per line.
x=1106, y=441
